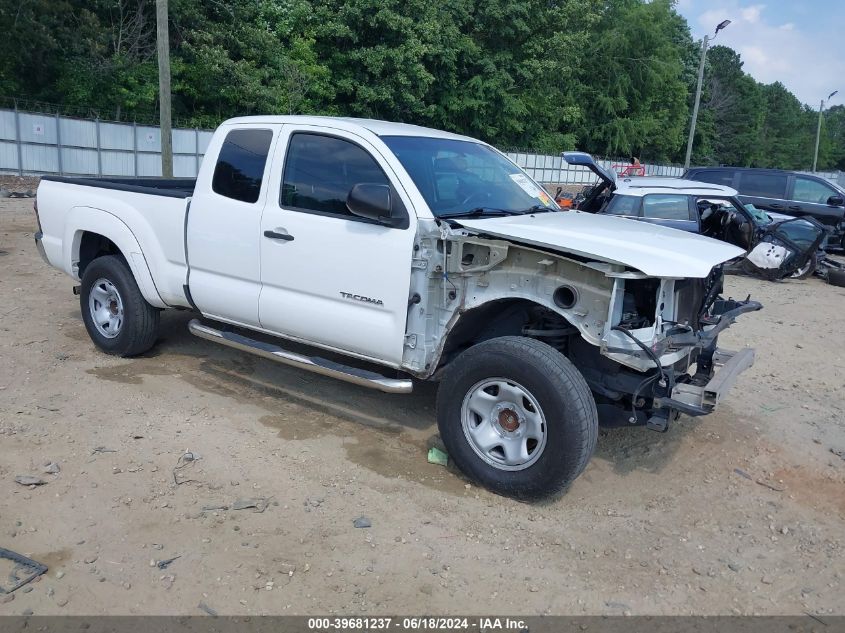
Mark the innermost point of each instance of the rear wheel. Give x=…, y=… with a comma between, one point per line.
x=517, y=417
x=118, y=318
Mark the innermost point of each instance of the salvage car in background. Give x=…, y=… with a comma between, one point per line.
x=776, y=247
x=785, y=192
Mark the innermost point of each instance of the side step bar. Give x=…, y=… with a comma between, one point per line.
x=314, y=364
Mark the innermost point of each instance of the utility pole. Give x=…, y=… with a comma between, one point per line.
x=819, y=129
x=163, y=46
x=707, y=39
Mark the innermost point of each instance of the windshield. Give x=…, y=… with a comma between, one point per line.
x=461, y=177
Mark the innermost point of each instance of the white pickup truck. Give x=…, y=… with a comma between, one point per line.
x=400, y=253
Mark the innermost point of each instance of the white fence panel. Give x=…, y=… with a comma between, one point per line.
x=149, y=165
x=149, y=138
x=117, y=163
x=184, y=142
x=76, y=160
x=204, y=140
x=116, y=136
x=78, y=133
x=9, y=155
x=37, y=128
x=39, y=159
x=7, y=126
x=184, y=166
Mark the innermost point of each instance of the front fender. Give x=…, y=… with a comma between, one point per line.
x=80, y=220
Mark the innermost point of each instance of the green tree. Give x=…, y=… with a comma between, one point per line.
x=633, y=86
x=786, y=135
x=733, y=110
x=97, y=54
x=244, y=58
x=608, y=76
x=832, y=146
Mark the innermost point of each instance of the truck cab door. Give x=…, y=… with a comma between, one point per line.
x=329, y=277
x=222, y=232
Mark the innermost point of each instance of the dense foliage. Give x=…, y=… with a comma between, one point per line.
x=614, y=77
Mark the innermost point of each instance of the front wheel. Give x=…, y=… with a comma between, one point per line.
x=517, y=417
x=118, y=318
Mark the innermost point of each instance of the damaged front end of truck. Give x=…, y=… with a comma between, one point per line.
x=663, y=335
x=644, y=340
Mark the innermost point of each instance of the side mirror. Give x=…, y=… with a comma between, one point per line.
x=836, y=201
x=371, y=201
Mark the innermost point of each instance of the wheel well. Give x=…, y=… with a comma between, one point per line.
x=506, y=317
x=93, y=245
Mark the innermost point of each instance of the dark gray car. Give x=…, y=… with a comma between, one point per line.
x=787, y=192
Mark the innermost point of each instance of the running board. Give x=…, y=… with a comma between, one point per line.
x=314, y=364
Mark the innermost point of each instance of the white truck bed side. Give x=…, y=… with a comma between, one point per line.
x=148, y=228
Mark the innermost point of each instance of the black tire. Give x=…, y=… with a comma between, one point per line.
x=808, y=269
x=836, y=277
x=565, y=400
x=139, y=325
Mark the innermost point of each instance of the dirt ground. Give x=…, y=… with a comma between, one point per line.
x=740, y=512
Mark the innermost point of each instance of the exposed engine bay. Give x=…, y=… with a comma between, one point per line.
x=634, y=338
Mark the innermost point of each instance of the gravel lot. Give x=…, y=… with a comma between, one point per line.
x=740, y=512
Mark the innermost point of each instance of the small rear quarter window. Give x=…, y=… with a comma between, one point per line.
x=240, y=164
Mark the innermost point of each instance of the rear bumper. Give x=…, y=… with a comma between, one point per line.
x=40, y=247
x=700, y=400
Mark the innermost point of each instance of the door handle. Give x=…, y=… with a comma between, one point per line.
x=776, y=206
x=794, y=207
x=278, y=236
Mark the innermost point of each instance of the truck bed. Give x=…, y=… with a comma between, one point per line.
x=170, y=187
x=144, y=218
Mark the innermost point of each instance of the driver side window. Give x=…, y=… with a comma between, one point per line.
x=321, y=170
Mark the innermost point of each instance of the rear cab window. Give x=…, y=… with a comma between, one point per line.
x=240, y=164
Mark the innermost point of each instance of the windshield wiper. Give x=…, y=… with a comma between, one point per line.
x=538, y=208
x=480, y=211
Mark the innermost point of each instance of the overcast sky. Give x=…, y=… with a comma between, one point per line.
x=799, y=43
